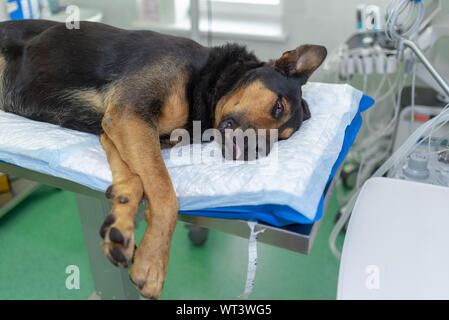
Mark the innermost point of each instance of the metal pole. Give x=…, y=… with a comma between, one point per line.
x=418, y=52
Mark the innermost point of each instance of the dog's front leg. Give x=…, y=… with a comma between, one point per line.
x=126, y=193
x=139, y=147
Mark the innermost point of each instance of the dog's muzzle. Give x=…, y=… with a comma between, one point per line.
x=245, y=145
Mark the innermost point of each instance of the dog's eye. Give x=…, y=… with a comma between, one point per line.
x=227, y=124
x=278, y=108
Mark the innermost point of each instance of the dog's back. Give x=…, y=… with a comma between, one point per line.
x=16, y=32
x=68, y=84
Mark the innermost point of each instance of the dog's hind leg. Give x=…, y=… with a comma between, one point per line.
x=126, y=192
x=138, y=144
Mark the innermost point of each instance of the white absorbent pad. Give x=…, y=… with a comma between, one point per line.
x=295, y=173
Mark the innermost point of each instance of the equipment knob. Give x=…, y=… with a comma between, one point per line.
x=417, y=167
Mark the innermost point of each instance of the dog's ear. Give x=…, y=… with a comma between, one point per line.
x=301, y=62
x=305, y=110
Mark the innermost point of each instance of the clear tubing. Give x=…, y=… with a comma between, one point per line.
x=383, y=132
x=365, y=82
x=392, y=87
x=411, y=142
x=404, y=19
x=437, y=152
x=409, y=145
x=396, y=8
x=381, y=85
x=390, y=126
x=412, y=120
x=371, y=153
x=437, y=129
x=368, y=115
x=389, y=92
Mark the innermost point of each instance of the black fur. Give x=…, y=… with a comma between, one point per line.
x=224, y=69
x=45, y=60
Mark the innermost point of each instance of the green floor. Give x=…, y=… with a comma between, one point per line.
x=42, y=236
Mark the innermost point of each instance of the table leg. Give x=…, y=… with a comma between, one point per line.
x=110, y=282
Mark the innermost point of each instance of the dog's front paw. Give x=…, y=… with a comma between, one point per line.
x=149, y=270
x=117, y=230
x=118, y=239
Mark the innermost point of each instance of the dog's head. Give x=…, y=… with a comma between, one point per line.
x=266, y=98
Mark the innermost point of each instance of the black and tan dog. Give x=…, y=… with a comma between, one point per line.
x=133, y=88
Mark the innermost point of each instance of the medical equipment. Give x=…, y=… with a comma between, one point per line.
x=368, y=54
x=365, y=56
x=369, y=17
x=427, y=64
x=422, y=134
x=411, y=118
x=404, y=19
x=426, y=167
x=365, y=53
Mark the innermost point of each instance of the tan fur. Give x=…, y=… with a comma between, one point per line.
x=175, y=112
x=255, y=102
x=91, y=96
x=2, y=69
x=125, y=185
x=163, y=79
x=286, y=133
x=140, y=150
x=2, y=65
